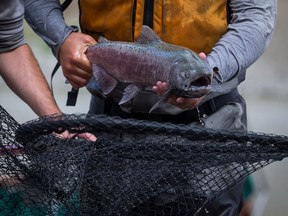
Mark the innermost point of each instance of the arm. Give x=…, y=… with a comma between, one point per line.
x=23, y=75
x=46, y=19
x=248, y=35
x=18, y=66
x=20, y=69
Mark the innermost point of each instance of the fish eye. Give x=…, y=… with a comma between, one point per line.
x=185, y=74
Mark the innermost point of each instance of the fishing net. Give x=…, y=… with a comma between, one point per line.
x=134, y=168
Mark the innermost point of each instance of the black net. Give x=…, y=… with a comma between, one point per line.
x=134, y=168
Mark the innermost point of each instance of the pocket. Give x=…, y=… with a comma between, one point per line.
x=228, y=117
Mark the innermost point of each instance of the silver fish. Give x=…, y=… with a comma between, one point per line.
x=143, y=63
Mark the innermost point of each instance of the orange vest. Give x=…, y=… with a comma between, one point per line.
x=196, y=24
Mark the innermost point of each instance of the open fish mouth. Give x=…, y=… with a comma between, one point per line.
x=198, y=87
x=201, y=81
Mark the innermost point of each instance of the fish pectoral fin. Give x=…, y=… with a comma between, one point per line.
x=130, y=92
x=164, y=98
x=94, y=88
x=106, y=82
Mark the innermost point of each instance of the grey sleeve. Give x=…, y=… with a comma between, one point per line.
x=46, y=19
x=11, y=24
x=249, y=33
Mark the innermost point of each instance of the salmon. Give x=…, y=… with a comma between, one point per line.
x=142, y=63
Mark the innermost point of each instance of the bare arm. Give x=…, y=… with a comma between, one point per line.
x=21, y=72
x=18, y=66
x=20, y=69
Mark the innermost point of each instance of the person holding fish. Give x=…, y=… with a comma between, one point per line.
x=145, y=64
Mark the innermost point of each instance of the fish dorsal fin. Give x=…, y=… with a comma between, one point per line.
x=106, y=82
x=147, y=35
x=102, y=39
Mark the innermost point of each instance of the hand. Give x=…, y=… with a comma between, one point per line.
x=183, y=103
x=76, y=67
x=67, y=135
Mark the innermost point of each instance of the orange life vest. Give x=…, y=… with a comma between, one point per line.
x=196, y=24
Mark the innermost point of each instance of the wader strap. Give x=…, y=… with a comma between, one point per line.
x=52, y=75
x=148, y=13
x=229, y=15
x=72, y=95
x=65, y=4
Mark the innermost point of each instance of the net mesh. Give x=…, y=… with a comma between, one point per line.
x=134, y=168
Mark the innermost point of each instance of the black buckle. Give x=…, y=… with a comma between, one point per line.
x=72, y=97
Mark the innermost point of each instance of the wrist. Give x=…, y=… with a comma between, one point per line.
x=57, y=48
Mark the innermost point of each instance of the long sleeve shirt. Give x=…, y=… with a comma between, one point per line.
x=46, y=18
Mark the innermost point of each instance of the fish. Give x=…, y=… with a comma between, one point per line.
x=142, y=63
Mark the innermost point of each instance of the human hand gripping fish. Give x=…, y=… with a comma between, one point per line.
x=145, y=62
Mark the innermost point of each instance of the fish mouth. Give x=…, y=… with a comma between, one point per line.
x=198, y=87
x=196, y=92
x=201, y=81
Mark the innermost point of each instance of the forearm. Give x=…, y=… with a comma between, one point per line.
x=46, y=19
x=248, y=35
x=23, y=75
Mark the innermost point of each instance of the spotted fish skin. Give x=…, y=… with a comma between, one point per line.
x=143, y=63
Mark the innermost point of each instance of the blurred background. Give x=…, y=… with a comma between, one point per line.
x=265, y=91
